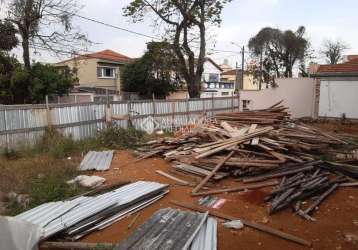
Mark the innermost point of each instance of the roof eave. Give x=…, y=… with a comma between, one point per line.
x=335, y=74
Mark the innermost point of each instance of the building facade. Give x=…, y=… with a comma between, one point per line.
x=98, y=70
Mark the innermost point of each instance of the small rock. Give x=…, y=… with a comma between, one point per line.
x=351, y=197
x=234, y=224
x=350, y=237
x=40, y=176
x=355, y=222
x=339, y=247
x=265, y=220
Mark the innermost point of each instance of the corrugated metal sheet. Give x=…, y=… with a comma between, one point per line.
x=166, y=229
x=206, y=239
x=85, y=207
x=24, y=124
x=99, y=161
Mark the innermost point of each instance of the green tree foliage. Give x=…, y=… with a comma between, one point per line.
x=153, y=73
x=185, y=23
x=8, y=39
x=49, y=80
x=278, y=51
x=18, y=85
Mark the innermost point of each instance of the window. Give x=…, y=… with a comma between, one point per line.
x=245, y=104
x=224, y=93
x=213, y=77
x=106, y=72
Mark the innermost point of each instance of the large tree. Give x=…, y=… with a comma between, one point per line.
x=46, y=25
x=185, y=22
x=278, y=51
x=153, y=73
x=333, y=51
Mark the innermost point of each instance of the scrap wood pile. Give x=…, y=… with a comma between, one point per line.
x=257, y=147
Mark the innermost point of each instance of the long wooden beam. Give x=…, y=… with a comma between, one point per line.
x=248, y=223
x=238, y=188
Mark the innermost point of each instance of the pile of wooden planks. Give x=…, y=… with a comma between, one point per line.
x=274, y=114
x=255, y=147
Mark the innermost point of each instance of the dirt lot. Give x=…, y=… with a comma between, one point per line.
x=337, y=216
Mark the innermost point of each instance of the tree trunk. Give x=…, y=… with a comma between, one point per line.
x=194, y=87
x=26, y=53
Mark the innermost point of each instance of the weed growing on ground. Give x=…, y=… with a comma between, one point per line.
x=120, y=138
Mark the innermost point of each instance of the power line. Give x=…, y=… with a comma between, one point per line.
x=131, y=31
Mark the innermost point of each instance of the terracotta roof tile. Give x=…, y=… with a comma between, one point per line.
x=107, y=54
x=348, y=67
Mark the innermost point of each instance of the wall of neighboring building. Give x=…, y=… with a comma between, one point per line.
x=298, y=95
x=179, y=94
x=338, y=98
x=209, y=68
x=249, y=83
x=87, y=73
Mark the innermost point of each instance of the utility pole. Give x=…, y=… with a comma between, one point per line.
x=242, y=66
x=260, y=83
x=237, y=87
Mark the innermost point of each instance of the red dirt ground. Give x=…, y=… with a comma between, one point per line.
x=337, y=215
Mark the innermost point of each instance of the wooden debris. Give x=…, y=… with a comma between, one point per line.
x=237, y=189
x=172, y=177
x=133, y=220
x=212, y=173
x=255, y=147
x=248, y=223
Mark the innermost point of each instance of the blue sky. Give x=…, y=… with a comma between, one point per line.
x=323, y=19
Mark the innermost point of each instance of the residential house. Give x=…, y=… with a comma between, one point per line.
x=235, y=76
x=100, y=70
x=337, y=89
x=212, y=85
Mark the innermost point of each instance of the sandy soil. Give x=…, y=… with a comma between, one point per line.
x=337, y=215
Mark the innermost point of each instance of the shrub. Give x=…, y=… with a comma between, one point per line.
x=117, y=137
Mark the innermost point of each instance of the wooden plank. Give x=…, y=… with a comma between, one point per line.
x=172, y=177
x=239, y=188
x=212, y=173
x=248, y=223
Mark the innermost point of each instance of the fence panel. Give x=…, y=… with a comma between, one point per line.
x=25, y=124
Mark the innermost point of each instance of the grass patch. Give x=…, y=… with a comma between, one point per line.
x=42, y=177
x=41, y=171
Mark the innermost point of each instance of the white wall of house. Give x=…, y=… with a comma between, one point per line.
x=298, y=95
x=338, y=98
x=210, y=72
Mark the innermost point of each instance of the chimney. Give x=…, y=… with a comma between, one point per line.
x=313, y=68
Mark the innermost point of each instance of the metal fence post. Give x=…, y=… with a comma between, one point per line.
x=48, y=113
x=173, y=115
x=5, y=127
x=129, y=122
x=153, y=105
x=212, y=104
x=187, y=110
